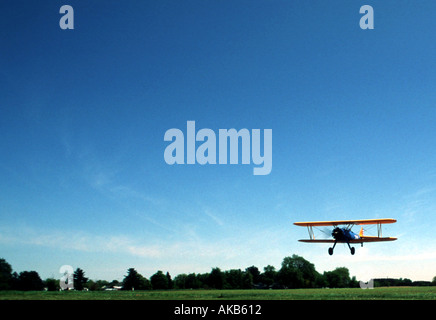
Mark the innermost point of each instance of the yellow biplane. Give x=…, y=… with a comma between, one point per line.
x=344, y=234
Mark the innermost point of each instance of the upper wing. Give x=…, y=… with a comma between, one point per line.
x=339, y=222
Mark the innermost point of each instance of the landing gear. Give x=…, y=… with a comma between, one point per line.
x=352, y=250
x=331, y=249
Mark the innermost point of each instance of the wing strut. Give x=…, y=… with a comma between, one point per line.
x=311, y=235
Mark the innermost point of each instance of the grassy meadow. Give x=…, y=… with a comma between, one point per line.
x=380, y=293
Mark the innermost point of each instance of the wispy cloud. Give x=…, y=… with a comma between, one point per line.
x=419, y=204
x=233, y=251
x=79, y=241
x=214, y=217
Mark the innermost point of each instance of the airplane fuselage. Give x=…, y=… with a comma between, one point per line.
x=344, y=235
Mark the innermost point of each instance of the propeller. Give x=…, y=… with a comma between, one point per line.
x=337, y=233
x=326, y=233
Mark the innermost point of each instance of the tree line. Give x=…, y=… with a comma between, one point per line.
x=295, y=272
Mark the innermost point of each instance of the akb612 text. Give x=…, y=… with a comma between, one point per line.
x=239, y=309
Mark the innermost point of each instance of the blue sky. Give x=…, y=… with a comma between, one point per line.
x=83, y=115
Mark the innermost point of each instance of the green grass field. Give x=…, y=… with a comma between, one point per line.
x=383, y=293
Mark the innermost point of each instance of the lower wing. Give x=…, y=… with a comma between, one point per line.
x=361, y=240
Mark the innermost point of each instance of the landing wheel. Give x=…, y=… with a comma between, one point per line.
x=330, y=251
x=352, y=250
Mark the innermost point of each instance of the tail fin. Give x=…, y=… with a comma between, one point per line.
x=361, y=232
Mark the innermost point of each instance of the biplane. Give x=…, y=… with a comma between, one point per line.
x=344, y=234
